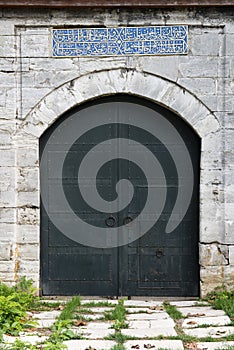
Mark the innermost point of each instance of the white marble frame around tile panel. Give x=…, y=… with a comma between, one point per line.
x=131, y=81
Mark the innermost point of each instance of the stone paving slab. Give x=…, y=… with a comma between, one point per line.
x=142, y=303
x=132, y=310
x=215, y=346
x=200, y=311
x=110, y=301
x=32, y=339
x=97, y=325
x=92, y=317
x=154, y=344
x=86, y=344
x=54, y=301
x=92, y=333
x=47, y=323
x=46, y=315
x=149, y=332
x=98, y=310
x=185, y=303
x=160, y=315
x=199, y=321
x=214, y=332
x=162, y=323
x=151, y=324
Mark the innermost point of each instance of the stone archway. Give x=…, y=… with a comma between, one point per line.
x=105, y=83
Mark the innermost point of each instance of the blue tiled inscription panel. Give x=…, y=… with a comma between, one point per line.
x=157, y=40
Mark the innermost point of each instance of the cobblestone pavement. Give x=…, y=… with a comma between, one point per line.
x=149, y=327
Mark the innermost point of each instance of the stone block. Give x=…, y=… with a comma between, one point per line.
x=231, y=255
x=5, y=138
x=211, y=160
x=193, y=322
x=163, y=66
x=28, y=199
x=149, y=332
x=215, y=345
x=229, y=44
x=7, y=215
x=34, y=44
x=7, y=278
x=142, y=303
x=52, y=79
x=214, y=332
x=31, y=96
x=199, y=86
x=229, y=229
x=89, y=344
x=198, y=66
x=229, y=210
x=211, y=230
x=87, y=65
x=7, y=64
x=7, y=41
x=8, y=106
x=213, y=255
x=94, y=333
x=200, y=311
x=31, y=339
x=7, y=157
x=159, y=315
x=7, y=266
x=8, y=198
x=205, y=44
x=28, y=234
x=210, y=101
x=229, y=277
x=27, y=156
x=28, y=267
x=50, y=64
x=212, y=140
x=212, y=274
x=5, y=251
x=225, y=103
x=28, y=251
x=28, y=216
x=154, y=344
x=184, y=303
x=7, y=178
x=28, y=179
x=7, y=79
x=7, y=231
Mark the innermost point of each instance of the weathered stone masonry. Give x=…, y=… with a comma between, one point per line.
x=35, y=89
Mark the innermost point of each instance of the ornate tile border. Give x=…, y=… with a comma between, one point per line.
x=120, y=41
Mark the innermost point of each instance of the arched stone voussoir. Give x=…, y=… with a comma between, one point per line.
x=110, y=82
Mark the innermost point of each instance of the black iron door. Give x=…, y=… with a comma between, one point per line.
x=119, y=195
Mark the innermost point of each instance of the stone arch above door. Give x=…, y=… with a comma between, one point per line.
x=110, y=82
x=148, y=86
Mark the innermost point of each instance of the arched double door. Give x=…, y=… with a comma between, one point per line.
x=120, y=201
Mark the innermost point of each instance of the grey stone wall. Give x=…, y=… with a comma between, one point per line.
x=35, y=89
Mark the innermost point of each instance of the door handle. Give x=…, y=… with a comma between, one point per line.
x=159, y=252
x=127, y=220
x=110, y=221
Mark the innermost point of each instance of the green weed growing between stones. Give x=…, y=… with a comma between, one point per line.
x=70, y=308
x=221, y=299
x=118, y=314
x=172, y=311
x=14, y=302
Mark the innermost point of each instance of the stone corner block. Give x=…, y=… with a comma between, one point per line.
x=5, y=250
